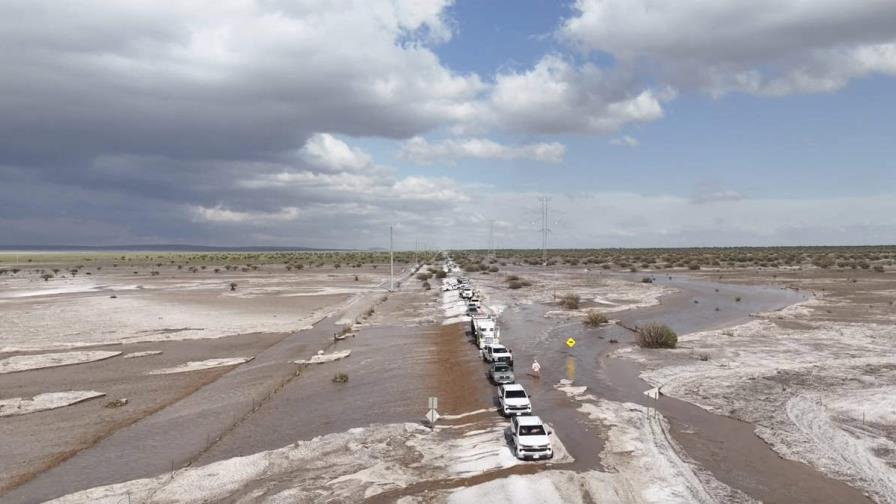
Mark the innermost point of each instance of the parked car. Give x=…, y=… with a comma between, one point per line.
x=531, y=438
x=501, y=373
x=513, y=400
x=497, y=353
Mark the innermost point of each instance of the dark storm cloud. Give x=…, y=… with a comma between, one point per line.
x=158, y=119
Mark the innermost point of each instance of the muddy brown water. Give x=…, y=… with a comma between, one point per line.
x=728, y=448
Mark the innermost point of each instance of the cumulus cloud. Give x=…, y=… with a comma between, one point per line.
x=231, y=122
x=556, y=96
x=767, y=47
x=626, y=141
x=220, y=214
x=325, y=150
x=208, y=79
x=419, y=150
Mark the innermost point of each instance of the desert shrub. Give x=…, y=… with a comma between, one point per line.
x=594, y=319
x=657, y=335
x=47, y=276
x=879, y=269
x=493, y=269
x=737, y=299
x=570, y=301
x=340, y=378
x=693, y=266
x=647, y=280
x=515, y=282
x=426, y=286
x=233, y=286
x=423, y=276
x=441, y=274
x=116, y=403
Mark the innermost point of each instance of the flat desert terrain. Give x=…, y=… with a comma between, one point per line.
x=244, y=378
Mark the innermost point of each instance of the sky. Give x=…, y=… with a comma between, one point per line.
x=321, y=123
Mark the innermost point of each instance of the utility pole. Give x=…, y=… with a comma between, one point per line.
x=544, y=229
x=491, y=238
x=391, y=263
x=415, y=253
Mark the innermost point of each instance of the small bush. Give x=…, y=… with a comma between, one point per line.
x=441, y=274
x=518, y=283
x=570, y=301
x=340, y=378
x=232, y=286
x=647, y=280
x=737, y=299
x=116, y=403
x=594, y=319
x=426, y=286
x=879, y=269
x=657, y=336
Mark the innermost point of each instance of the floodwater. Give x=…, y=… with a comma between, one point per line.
x=728, y=448
x=392, y=370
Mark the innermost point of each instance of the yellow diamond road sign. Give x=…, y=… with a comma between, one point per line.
x=570, y=342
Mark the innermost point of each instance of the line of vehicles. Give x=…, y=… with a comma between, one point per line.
x=529, y=436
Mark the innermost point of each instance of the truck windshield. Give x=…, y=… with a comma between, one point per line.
x=515, y=394
x=502, y=369
x=532, y=430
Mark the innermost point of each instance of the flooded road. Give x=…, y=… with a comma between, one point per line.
x=726, y=447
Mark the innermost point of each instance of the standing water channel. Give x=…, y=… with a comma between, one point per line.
x=727, y=448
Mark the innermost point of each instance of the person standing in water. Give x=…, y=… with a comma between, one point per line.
x=536, y=368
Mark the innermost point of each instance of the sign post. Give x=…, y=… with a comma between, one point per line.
x=432, y=415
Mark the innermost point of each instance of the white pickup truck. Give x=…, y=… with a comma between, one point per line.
x=497, y=353
x=513, y=400
x=531, y=438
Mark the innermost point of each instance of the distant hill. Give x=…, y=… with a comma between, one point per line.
x=155, y=248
